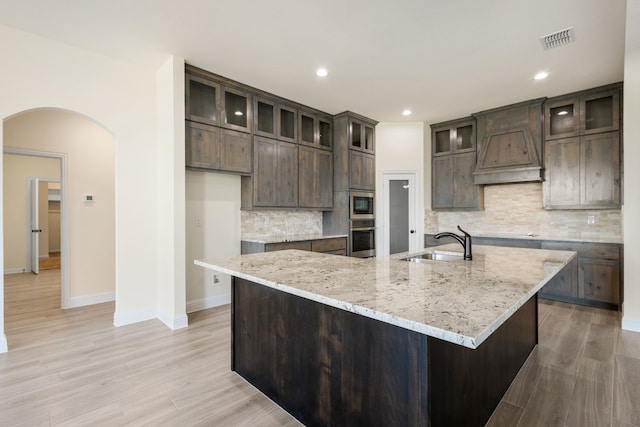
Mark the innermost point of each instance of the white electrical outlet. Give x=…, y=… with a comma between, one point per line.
x=591, y=219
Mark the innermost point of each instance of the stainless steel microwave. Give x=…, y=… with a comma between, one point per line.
x=361, y=205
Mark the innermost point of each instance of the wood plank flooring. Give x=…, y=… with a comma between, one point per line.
x=50, y=263
x=73, y=368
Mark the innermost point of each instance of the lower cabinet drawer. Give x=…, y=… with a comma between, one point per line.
x=327, y=245
x=303, y=246
x=342, y=252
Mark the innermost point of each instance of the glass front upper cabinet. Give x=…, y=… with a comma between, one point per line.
x=582, y=114
x=601, y=112
x=562, y=118
x=464, y=138
x=307, y=129
x=368, y=139
x=287, y=124
x=202, y=101
x=356, y=135
x=325, y=133
x=265, y=118
x=237, y=110
x=455, y=136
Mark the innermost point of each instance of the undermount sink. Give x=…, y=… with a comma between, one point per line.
x=434, y=256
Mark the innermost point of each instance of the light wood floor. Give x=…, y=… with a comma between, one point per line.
x=74, y=368
x=51, y=263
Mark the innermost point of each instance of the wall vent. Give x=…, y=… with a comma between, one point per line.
x=559, y=38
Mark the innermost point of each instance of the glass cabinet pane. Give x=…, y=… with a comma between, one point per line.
x=463, y=137
x=443, y=141
x=325, y=136
x=562, y=120
x=599, y=113
x=368, y=138
x=287, y=123
x=202, y=101
x=306, y=129
x=356, y=135
x=265, y=118
x=236, y=109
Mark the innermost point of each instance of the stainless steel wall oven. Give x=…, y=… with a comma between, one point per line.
x=363, y=238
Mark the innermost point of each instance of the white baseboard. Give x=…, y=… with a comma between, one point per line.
x=81, y=301
x=203, y=304
x=174, y=322
x=135, y=316
x=630, y=324
x=130, y=317
x=3, y=344
x=15, y=270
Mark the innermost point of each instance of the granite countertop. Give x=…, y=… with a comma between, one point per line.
x=585, y=238
x=458, y=301
x=291, y=238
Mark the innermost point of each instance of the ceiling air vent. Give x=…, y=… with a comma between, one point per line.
x=557, y=39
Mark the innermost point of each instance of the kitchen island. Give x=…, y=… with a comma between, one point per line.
x=380, y=341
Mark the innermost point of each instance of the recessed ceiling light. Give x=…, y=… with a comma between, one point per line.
x=322, y=72
x=406, y=113
x=541, y=75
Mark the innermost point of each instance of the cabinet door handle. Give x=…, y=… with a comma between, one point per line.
x=412, y=231
x=36, y=231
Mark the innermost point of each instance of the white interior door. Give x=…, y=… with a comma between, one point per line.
x=35, y=227
x=400, y=228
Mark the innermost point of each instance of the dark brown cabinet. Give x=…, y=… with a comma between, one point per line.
x=582, y=150
x=593, y=111
x=510, y=143
x=453, y=163
x=583, y=172
x=592, y=278
x=202, y=100
x=331, y=245
x=210, y=147
x=315, y=171
x=275, y=120
x=362, y=135
x=265, y=112
x=315, y=130
x=598, y=279
x=236, y=109
x=275, y=176
x=362, y=171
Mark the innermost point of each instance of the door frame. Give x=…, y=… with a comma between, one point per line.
x=416, y=215
x=64, y=223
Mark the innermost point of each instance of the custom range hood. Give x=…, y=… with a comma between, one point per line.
x=509, y=143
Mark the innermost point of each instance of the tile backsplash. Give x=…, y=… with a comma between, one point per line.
x=516, y=209
x=262, y=223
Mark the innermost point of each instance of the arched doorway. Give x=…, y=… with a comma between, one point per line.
x=86, y=151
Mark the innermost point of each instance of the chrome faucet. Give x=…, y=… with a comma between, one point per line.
x=465, y=241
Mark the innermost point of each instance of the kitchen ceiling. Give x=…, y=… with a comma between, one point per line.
x=443, y=59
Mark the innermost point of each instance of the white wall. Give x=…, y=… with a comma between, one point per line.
x=400, y=148
x=38, y=72
x=631, y=310
x=213, y=231
x=171, y=194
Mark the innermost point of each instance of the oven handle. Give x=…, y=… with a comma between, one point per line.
x=363, y=229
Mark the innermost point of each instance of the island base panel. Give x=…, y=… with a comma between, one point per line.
x=327, y=366
x=466, y=385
